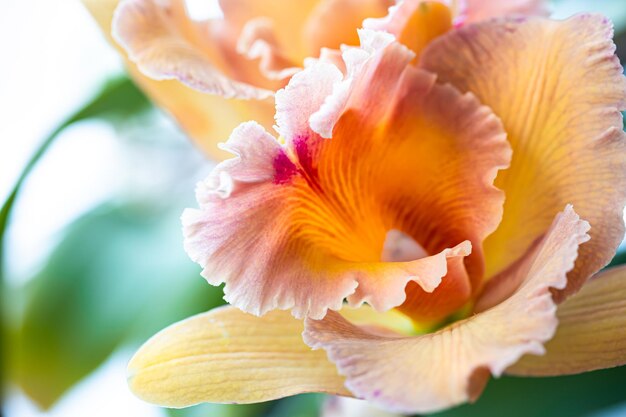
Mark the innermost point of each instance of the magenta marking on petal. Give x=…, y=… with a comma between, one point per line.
x=284, y=169
x=303, y=152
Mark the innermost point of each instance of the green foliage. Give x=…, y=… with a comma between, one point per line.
x=120, y=274
x=118, y=99
x=566, y=396
x=305, y=405
x=222, y=410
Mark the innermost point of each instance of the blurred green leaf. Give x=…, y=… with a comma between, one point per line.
x=119, y=98
x=222, y=410
x=566, y=396
x=618, y=259
x=118, y=269
x=304, y=405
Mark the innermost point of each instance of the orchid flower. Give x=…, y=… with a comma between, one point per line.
x=416, y=227
x=213, y=74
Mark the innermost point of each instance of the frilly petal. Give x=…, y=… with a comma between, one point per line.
x=435, y=371
x=165, y=44
x=558, y=88
x=309, y=229
x=414, y=23
x=258, y=41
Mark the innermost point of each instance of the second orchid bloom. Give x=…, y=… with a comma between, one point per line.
x=433, y=198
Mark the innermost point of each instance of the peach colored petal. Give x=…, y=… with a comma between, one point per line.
x=309, y=230
x=435, y=371
x=504, y=284
x=333, y=23
x=414, y=23
x=591, y=333
x=288, y=17
x=227, y=356
x=303, y=96
x=324, y=119
x=258, y=41
x=207, y=119
x=242, y=235
x=165, y=44
x=559, y=89
x=477, y=10
x=454, y=291
x=330, y=56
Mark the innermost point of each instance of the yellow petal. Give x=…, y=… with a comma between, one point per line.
x=431, y=372
x=207, y=119
x=558, y=89
x=591, y=333
x=226, y=356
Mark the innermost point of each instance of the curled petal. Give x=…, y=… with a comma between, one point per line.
x=591, y=333
x=326, y=114
x=559, y=89
x=258, y=41
x=165, y=44
x=303, y=225
x=227, y=356
x=414, y=23
x=207, y=119
x=452, y=366
x=303, y=96
x=288, y=17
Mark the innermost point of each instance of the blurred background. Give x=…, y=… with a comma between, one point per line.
x=93, y=180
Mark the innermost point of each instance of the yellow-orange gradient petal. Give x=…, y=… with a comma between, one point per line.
x=166, y=44
x=227, y=356
x=205, y=118
x=591, y=333
x=558, y=89
x=453, y=365
x=333, y=23
x=414, y=23
x=255, y=233
x=303, y=226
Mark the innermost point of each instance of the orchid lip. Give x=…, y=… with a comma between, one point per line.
x=400, y=247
